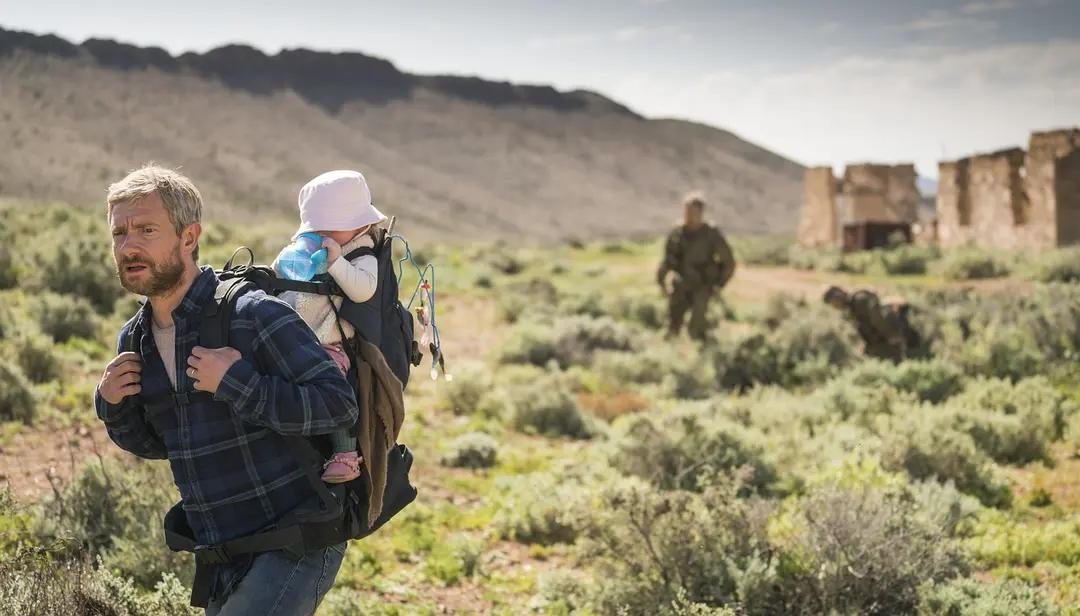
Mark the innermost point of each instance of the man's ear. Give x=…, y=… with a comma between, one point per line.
x=189, y=238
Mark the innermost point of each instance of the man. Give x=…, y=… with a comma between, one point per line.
x=226, y=447
x=702, y=262
x=884, y=329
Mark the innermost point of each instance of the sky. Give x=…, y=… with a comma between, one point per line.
x=826, y=82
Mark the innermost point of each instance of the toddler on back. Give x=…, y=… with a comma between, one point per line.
x=337, y=206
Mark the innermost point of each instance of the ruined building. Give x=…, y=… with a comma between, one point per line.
x=1012, y=199
x=874, y=196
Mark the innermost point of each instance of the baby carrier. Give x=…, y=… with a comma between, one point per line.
x=382, y=321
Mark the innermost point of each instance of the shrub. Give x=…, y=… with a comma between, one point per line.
x=762, y=249
x=908, y=259
x=546, y=407
x=927, y=452
x=658, y=553
x=472, y=450
x=561, y=591
x=568, y=341
x=1061, y=265
x=1007, y=439
x=1033, y=400
x=449, y=562
x=972, y=264
x=81, y=267
x=65, y=316
x=16, y=394
x=996, y=540
x=679, y=373
x=8, y=276
x=468, y=392
x=971, y=597
x=539, y=508
x=115, y=510
x=37, y=357
x=527, y=300
x=684, y=449
x=930, y=381
x=860, y=550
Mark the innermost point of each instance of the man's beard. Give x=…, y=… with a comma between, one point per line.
x=160, y=279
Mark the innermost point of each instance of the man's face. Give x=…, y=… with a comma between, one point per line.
x=692, y=215
x=146, y=247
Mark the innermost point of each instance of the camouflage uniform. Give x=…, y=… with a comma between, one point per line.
x=884, y=328
x=703, y=262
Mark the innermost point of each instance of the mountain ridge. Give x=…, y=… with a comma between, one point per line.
x=450, y=154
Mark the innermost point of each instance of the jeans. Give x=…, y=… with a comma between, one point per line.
x=275, y=583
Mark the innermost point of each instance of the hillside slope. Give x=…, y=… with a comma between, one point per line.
x=451, y=155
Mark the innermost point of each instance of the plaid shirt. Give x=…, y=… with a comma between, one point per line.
x=229, y=458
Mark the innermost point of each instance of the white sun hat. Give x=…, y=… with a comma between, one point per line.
x=337, y=201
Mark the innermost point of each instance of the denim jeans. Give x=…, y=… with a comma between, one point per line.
x=275, y=583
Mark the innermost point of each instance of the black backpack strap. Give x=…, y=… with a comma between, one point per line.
x=318, y=286
x=363, y=251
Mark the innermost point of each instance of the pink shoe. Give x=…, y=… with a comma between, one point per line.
x=344, y=466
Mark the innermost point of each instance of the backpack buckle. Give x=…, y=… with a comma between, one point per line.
x=212, y=555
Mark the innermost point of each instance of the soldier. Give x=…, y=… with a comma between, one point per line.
x=884, y=328
x=702, y=262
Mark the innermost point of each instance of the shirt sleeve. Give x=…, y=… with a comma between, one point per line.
x=289, y=384
x=127, y=426
x=357, y=279
x=670, y=261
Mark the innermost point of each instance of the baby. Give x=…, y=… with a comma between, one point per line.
x=337, y=206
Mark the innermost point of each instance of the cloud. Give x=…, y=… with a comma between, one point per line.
x=926, y=105
x=940, y=19
x=628, y=34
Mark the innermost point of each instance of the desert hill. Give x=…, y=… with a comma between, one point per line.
x=451, y=155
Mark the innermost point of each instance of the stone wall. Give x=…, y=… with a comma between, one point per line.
x=1053, y=184
x=817, y=222
x=880, y=193
x=1012, y=200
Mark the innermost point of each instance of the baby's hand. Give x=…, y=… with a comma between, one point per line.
x=333, y=250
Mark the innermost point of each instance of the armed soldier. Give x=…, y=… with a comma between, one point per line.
x=702, y=263
x=884, y=328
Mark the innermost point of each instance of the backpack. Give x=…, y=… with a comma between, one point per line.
x=387, y=324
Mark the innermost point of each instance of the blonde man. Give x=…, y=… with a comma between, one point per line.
x=221, y=416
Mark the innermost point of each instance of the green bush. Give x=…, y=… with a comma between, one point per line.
x=808, y=347
x=1007, y=439
x=472, y=450
x=8, y=276
x=762, y=249
x=546, y=407
x=82, y=267
x=930, y=381
x=37, y=357
x=1061, y=265
x=568, y=341
x=540, y=508
x=679, y=373
x=114, y=510
x=65, y=316
x=971, y=597
x=685, y=449
x=973, y=264
x=17, y=401
x=469, y=392
x=1034, y=401
x=929, y=452
x=860, y=550
x=655, y=553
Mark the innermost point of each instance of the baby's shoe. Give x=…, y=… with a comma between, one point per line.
x=344, y=466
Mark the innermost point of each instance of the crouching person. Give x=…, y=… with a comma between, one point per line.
x=226, y=418
x=884, y=328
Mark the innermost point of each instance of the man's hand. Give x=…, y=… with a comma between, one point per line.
x=208, y=366
x=333, y=250
x=122, y=378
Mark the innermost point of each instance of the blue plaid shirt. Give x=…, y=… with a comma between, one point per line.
x=229, y=459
